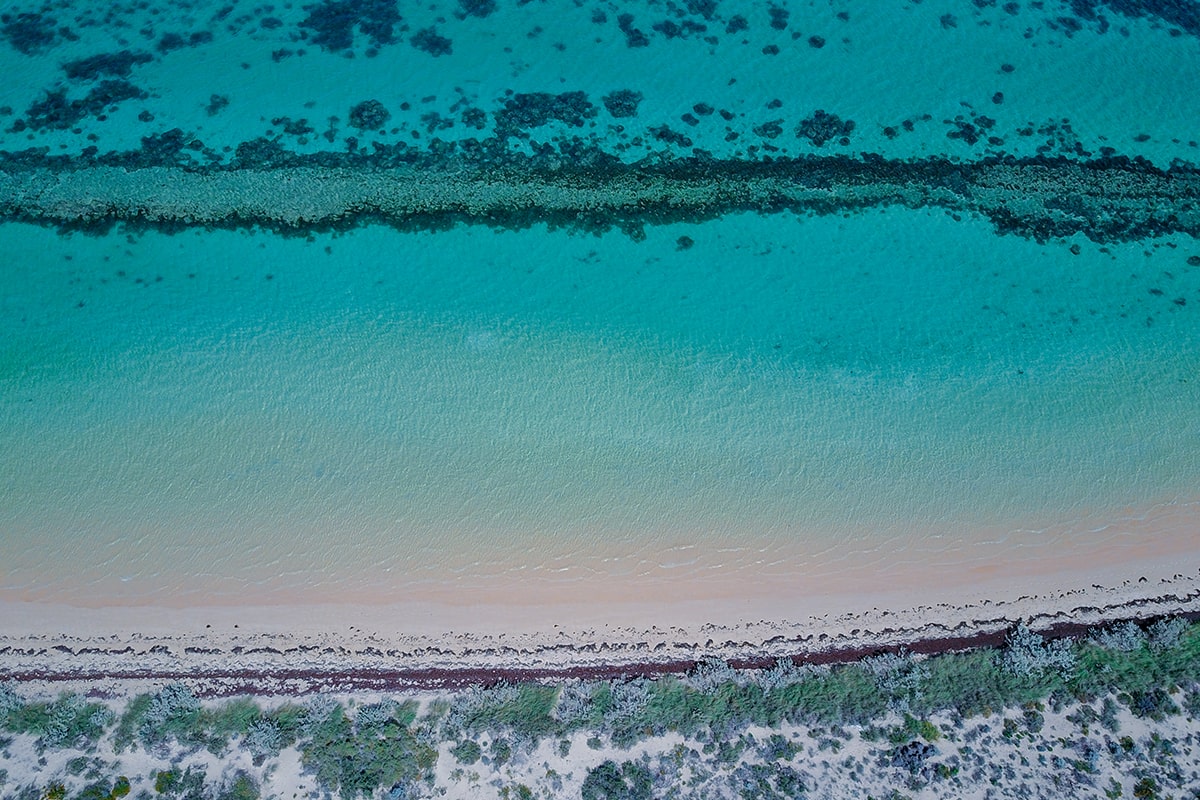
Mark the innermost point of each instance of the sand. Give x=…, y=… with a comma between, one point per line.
x=1136, y=564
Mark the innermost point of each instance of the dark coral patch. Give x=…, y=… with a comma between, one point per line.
x=475, y=8
x=779, y=17
x=432, y=42
x=534, y=109
x=369, y=115
x=823, y=126
x=622, y=103
x=633, y=36
x=56, y=112
x=332, y=23
x=736, y=24
x=177, y=41
x=115, y=64
x=29, y=33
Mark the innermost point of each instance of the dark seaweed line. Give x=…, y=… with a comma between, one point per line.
x=229, y=682
x=1108, y=200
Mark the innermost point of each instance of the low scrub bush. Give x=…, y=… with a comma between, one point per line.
x=848, y=694
x=575, y=708
x=900, y=678
x=105, y=790
x=1026, y=654
x=1166, y=634
x=131, y=719
x=187, y=785
x=1153, y=704
x=242, y=787
x=357, y=759
x=501, y=751
x=9, y=701
x=263, y=739
x=233, y=717
x=70, y=721
x=786, y=672
x=289, y=720
x=75, y=722
x=767, y=782
x=467, y=752
x=173, y=713
x=610, y=781
x=1124, y=637
x=711, y=673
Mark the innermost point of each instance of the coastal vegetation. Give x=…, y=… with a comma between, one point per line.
x=1107, y=704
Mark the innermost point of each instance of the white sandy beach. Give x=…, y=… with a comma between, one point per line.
x=1144, y=564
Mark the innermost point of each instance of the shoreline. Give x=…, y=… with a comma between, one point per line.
x=256, y=663
x=1058, y=581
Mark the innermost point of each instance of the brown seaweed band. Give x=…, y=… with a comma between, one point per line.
x=224, y=682
x=1115, y=199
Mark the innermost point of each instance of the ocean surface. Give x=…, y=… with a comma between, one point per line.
x=265, y=405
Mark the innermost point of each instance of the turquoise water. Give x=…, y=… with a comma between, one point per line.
x=187, y=411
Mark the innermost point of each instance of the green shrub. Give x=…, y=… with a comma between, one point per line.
x=100, y=790
x=467, y=752
x=848, y=694
x=331, y=744
x=1154, y=704
x=912, y=728
x=352, y=762
x=103, y=790
x=767, y=782
x=243, y=787
x=28, y=718
x=231, y=717
x=191, y=785
x=501, y=752
x=779, y=748
x=174, y=713
x=186, y=786
x=289, y=720
x=1146, y=789
x=529, y=714
x=130, y=721
x=608, y=781
x=69, y=721
x=166, y=781
x=1191, y=703
x=9, y=701
x=1108, y=715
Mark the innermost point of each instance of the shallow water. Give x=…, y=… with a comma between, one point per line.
x=191, y=412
